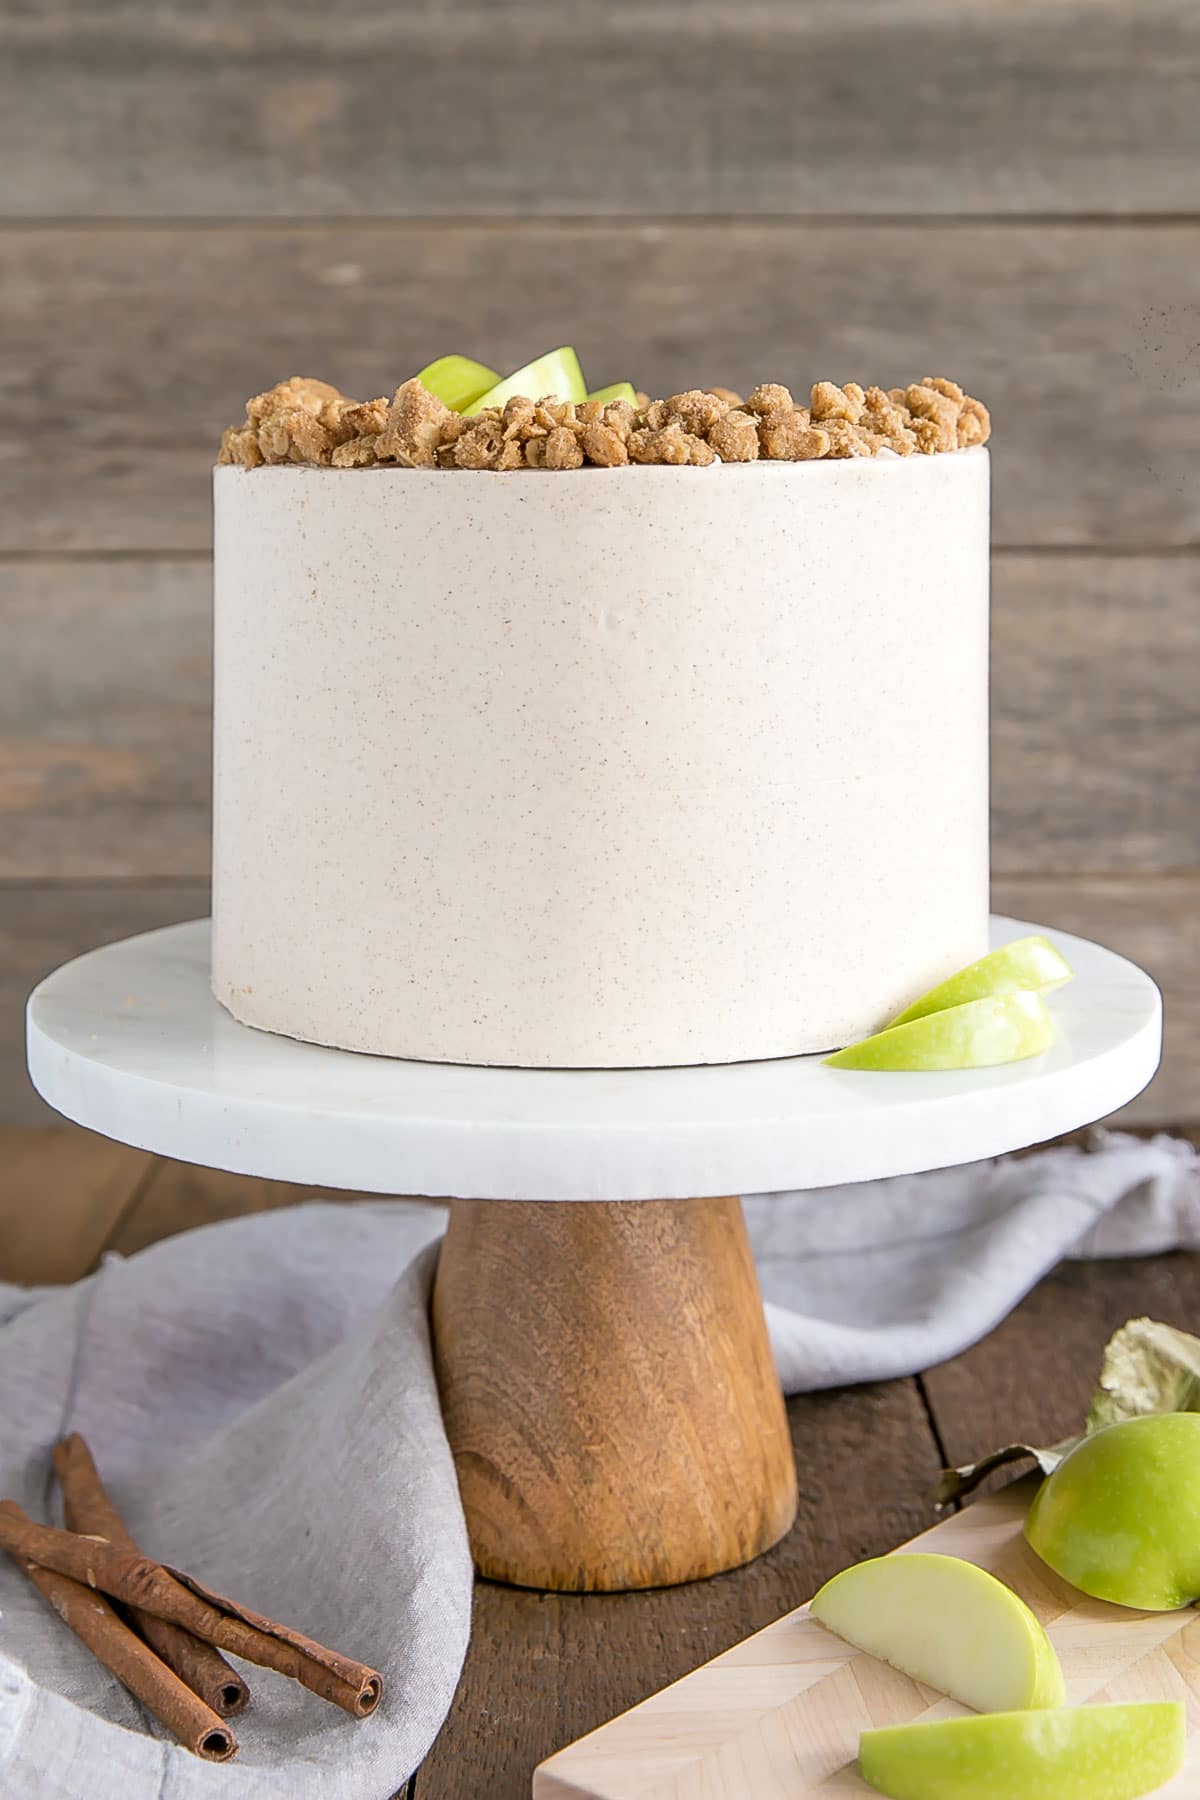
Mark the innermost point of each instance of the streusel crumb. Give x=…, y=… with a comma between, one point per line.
x=306, y=421
x=974, y=425
x=697, y=411
x=669, y=443
x=832, y=402
x=293, y=434
x=239, y=444
x=298, y=391
x=413, y=427
x=604, y=446
x=770, y=401
x=735, y=437
x=792, y=437
x=480, y=445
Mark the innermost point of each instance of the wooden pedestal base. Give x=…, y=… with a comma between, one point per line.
x=609, y=1393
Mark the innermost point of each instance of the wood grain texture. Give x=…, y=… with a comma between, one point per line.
x=106, y=702
x=41, y=927
x=131, y=347
x=1154, y=920
x=539, y=106
x=609, y=1392
x=544, y=1668
x=105, y=717
x=62, y=1195
x=1095, y=719
x=781, y=1713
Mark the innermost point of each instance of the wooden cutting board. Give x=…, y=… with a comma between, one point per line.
x=778, y=1716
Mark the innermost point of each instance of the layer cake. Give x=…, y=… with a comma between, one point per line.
x=604, y=767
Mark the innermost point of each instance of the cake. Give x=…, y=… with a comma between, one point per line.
x=521, y=760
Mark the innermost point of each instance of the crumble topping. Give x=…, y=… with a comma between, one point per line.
x=305, y=421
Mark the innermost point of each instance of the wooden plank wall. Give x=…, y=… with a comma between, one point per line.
x=205, y=195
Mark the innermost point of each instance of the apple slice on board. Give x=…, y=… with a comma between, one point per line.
x=1028, y=964
x=1066, y=1753
x=457, y=381
x=948, y=1624
x=1119, y=1518
x=556, y=373
x=1006, y=1028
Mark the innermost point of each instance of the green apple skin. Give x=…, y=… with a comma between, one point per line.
x=1005, y=1028
x=1067, y=1753
x=557, y=373
x=620, y=390
x=457, y=381
x=1120, y=1516
x=1028, y=964
x=948, y=1624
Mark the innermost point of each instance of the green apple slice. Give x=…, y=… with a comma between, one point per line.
x=1068, y=1753
x=1119, y=1518
x=620, y=390
x=457, y=381
x=1027, y=964
x=557, y=373
x=948, y=1624
x=1004, y=1029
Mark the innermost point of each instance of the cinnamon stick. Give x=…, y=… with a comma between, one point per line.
x=137, y=1581
x=111, y=1642
x=88, y=1507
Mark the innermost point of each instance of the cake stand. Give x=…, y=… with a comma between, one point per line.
x=606, y=1377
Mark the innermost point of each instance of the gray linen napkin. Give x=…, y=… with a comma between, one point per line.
x=261, y=1400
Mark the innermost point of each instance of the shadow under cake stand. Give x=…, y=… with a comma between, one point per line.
x=606, y=1378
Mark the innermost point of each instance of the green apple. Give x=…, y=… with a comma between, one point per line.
x=1119, y=1518
x=948, y=1624
x=1003, y=1029
x=556, y=373
x=457, y=381
x=1069, y=1753
x=620, y=390
x=1027, y=964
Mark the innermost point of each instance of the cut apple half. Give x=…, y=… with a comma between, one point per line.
x=1067, y=1753
x=1119, y=1518
x=948, y=1624
x=1027, y=965
x=457, y=381
x=557, y=373
x=1003, y=1029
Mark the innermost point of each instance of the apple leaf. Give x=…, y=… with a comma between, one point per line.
x=1147, y=1367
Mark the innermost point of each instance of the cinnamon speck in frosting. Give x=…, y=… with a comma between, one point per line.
x=306, y=421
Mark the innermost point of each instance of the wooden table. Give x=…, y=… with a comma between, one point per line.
x=544, y=1668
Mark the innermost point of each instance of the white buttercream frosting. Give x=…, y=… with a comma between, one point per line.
x=607, y=768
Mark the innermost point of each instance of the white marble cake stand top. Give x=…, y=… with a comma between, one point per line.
x=129, y=1041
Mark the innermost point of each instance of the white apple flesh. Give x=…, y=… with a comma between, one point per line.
x=1007, y=1028
x=948, y=1624
x=1067, y=1753
x=556, y=373
x=1027, y=965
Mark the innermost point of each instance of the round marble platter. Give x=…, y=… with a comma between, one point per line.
x=129, y=1041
